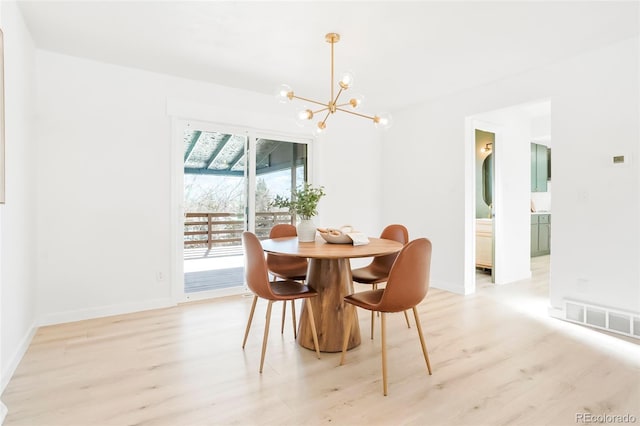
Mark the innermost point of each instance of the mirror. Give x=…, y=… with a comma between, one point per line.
x=487, y=180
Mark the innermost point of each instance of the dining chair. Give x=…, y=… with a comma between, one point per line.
x=378, y=270
x=257, y=278
x=407, y=286
x=287, y=268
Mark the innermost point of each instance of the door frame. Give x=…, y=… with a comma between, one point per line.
x=472, y=124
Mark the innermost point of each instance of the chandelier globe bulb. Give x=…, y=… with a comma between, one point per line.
x=303, y=117
x=284, y=93
x=346, y=80
x=356, y=100
x=305, y=114
x=383, y=120
x=320, y=127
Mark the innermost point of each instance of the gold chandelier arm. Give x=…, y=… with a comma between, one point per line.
x=320, y=110
x=325, y=117
x=370, y=117
x=337, y=96
x=310, y=100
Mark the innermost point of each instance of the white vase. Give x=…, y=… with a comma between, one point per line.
x=306, y=231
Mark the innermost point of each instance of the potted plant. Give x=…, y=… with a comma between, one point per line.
x=303, y=203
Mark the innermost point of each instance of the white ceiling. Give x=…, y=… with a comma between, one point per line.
x=400, y=52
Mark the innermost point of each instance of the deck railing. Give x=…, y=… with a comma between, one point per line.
x=225, y=229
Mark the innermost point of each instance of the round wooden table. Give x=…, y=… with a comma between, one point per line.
x=329, y=274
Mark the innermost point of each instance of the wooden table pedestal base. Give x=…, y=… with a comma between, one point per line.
x=331, y=278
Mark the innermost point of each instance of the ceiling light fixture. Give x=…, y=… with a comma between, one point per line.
x=285, y=94
x=486, y=148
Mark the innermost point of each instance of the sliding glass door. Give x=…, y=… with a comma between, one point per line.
x=214, y=209
x=229, y=181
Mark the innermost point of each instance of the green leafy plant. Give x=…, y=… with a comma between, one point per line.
x=304, y=201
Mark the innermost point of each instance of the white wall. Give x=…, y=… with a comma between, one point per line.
x=595, y=115
x=348, y=163
x=104, y=223
x=103, y=157
x=17, y=217
x=424, y=186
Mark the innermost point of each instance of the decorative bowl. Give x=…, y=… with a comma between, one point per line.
x=336, y=236
x=336, y=239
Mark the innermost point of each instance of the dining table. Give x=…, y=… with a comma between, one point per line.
x=329, y=274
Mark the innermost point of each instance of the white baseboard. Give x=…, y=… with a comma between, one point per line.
x=105, y=311
x=504, y=280
x=16, y=357
x=457, y=289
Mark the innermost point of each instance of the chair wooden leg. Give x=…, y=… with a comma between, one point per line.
x=347, y=332
x=293, y=318
x=373, y=319
x=424, y=346
x=406, y=317
x=313, y=327
x=253, y=308
x=383, y=326
x=266, y=334
x=284, y=315
x=375, y=287
x=373, y=314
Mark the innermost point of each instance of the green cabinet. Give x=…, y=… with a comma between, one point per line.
x=539, y=167
x=540, y=234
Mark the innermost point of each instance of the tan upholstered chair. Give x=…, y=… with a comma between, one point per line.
x=257, y=278
x=378, y=270
x=406, y=288
x=287, y=268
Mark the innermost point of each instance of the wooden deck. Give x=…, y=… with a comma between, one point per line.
x=214, y=252
x=212, y=269
x=216, y=263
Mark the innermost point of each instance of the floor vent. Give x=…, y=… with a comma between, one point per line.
x=603, y=318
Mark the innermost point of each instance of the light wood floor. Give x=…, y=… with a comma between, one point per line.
x=497, y=359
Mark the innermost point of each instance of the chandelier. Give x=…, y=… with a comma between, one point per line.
x=285, y=94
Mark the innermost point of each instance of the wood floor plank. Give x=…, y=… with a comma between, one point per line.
x=497, y=359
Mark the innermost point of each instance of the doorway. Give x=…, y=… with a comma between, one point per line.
x=514, y=129
x=484, y=183
x=228, y=179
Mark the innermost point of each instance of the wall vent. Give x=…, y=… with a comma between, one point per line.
x=603, y=318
